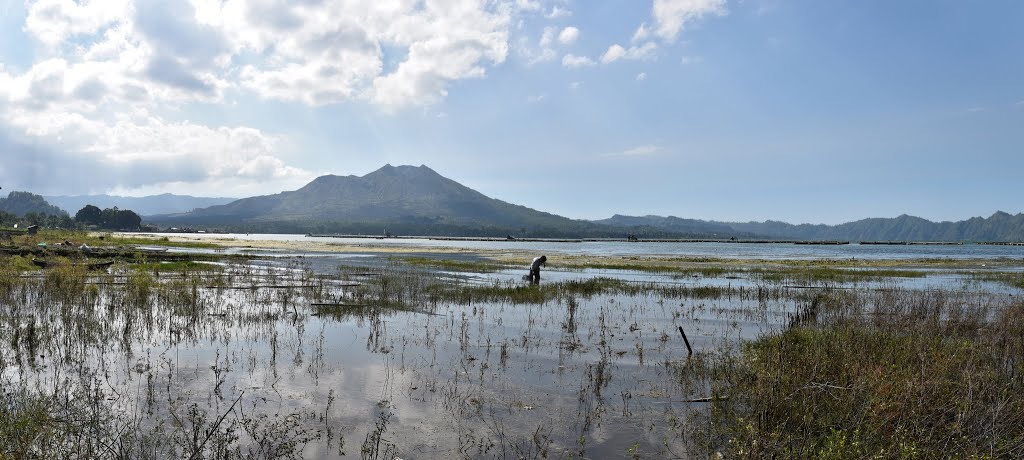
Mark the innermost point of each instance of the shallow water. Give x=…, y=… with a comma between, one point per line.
x=768, y=251
x=593, y=376
x=587, y=376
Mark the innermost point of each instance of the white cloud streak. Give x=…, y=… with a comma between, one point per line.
x=573, y=61
x=639, y=151
x=671, y=16
x=616, y=52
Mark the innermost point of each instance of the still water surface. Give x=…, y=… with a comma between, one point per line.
x=768, y=251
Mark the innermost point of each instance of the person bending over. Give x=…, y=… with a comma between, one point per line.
x=534, y=275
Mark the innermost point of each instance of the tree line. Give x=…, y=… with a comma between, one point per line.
x=110, y=218
x=89, y=216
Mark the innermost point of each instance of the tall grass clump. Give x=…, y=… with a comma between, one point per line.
x=934, y=379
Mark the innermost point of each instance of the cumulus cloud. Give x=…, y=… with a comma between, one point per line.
x=528, y=5
x=557, y=12
x=394, y=54
x=616, y=52
x=322, y=53
x=641, y=76
x=547, y=37
x=127, y=155
x=671, y=16
x=54, y=21
x=110, y=76
x=568, y=35
x=574, y=62
x=546, y=44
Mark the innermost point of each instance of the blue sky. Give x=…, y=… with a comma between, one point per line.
x=804, y=111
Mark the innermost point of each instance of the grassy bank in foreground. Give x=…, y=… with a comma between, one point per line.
x=919, y=377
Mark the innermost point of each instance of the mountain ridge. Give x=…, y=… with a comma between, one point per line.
x=21, y=203
x=164, y=203
x=396, y=199
x=416, y=200
x=1000, y=226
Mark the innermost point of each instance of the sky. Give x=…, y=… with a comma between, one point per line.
x=736, y=110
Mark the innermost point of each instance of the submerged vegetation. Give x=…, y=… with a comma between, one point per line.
x=172, y=356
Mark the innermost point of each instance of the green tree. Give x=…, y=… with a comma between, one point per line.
x=89, y=215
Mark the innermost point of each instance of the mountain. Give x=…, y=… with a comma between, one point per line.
x=402, y=200
x=673, y=224
x=143, y=206
x=21, y=203
x=1000, y=226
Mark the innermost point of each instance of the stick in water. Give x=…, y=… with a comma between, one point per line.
x=686, y=341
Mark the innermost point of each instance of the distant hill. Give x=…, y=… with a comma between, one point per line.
x=404, y=200
x=1000, y=226
x=21, y=203
x=143, y=206
x=675, y=225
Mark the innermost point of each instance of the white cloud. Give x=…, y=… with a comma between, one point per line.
x=568, y=35
x=136, y=149
x=528, y=5
x=641, y=34
x=112, y=77
x=394, y=54
x=545, y=49
x=557, y=12
x=643, y=150
x=547, y=37
x=537, y=98
x=574, y=62
x=671, y=16
x=53, y=21
x=575, y=85
x=616, y=52
x=318, y=56
x=641, y=76
x=533, y=55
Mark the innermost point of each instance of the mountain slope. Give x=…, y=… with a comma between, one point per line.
x=998, y=227
x=144, y=206
x=672, y=224
x=403, y=200
x=21, y=203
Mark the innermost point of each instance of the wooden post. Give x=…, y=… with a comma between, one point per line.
x=686, y=341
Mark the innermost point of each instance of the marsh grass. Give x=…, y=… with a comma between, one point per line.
x=411, y=290
x=883, y=375
x=66, y=317
x=1015, y=280
x=832, y=274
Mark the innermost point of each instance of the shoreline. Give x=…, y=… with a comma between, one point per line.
x=516, y=256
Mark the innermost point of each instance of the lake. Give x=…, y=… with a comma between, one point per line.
x=767, y=251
